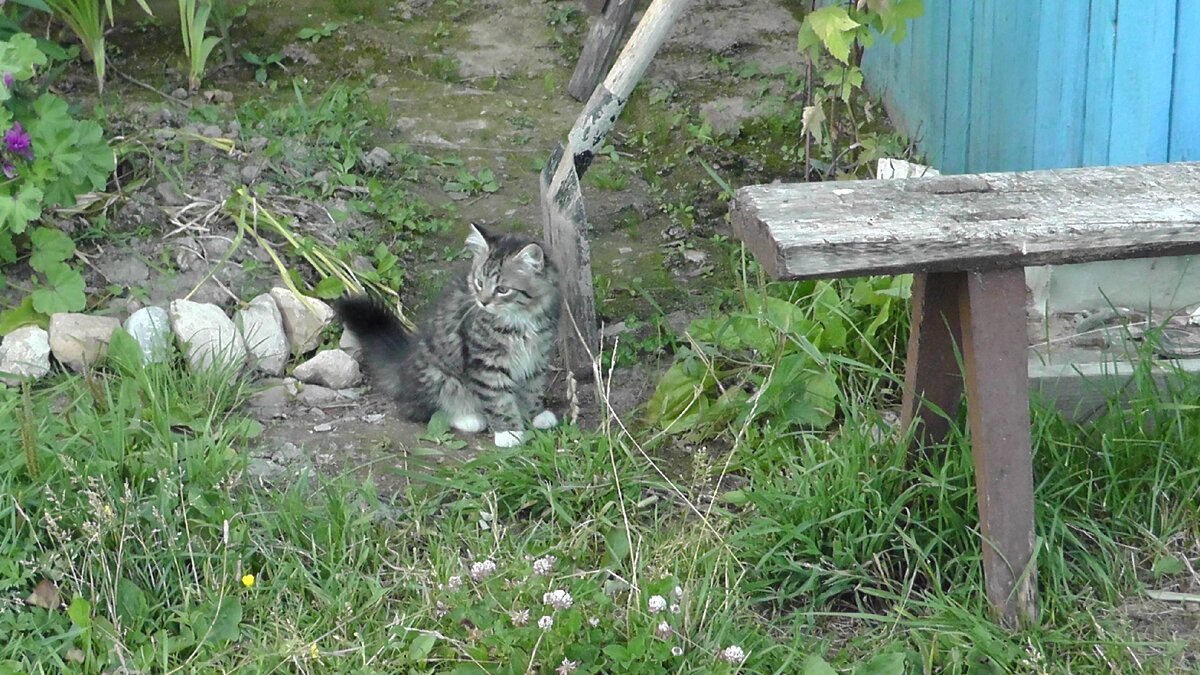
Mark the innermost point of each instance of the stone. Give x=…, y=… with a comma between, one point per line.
x=78, y=341
x=150, y=328
x=331, y=368
x=377, y=159
x=261, y=326
x=274, y=399
x=209, y=338
x=350, y=344
x=303, y=319
x=24, y=353
x=315, y=395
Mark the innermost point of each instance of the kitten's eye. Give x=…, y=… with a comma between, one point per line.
x=503, y=290
x=478, y=284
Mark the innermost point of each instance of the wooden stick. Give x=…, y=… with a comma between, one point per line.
x=600, y=47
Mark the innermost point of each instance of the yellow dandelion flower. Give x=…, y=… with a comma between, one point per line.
x=313, y=652
x=248, y=581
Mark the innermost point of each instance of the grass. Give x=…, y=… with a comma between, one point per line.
x=128, y=489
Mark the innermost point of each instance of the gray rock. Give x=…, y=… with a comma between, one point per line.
x=208, y=337
x=377, y=159
x=24, y=353
x=331, y=368
x=150, y=327
x=350, y=344
x=274, y=399
x=125, y=270
x=257, y=143
x=313, y=394
x=78, y=341
x=261, y=326
x=250, y=172
x=303, y=319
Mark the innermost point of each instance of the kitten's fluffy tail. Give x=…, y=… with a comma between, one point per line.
x=385, y=342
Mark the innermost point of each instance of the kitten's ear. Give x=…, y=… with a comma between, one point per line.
x=477, y=241
x=532, y=257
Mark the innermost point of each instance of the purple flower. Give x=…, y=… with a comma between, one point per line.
x=10, y=171
x=8, y=77
x=16, y=141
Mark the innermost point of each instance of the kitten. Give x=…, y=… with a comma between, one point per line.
x=482, y=352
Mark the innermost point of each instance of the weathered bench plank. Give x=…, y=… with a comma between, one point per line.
x=977, y=222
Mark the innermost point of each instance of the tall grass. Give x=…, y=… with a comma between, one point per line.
x=127, y=489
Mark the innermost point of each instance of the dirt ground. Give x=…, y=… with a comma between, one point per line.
x=503, y=110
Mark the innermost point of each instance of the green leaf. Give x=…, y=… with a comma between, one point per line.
x=80, y=612
x=815, y=665
x=226, y=621
x=17, y=212
x=131, y=599
x=330, y=287
x=22, y=315
x=617, y=543
x=1167, y=565
x=8, y=250
x=835, y=29
x=124, y=353
x=63, y=291
x=49, y=246
x=680, y=397
x=420, y=647
x=883, y=664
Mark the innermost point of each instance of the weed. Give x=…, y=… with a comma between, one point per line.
x=315, y=35
x=262, y=63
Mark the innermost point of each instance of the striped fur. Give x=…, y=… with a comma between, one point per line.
x=483, y=350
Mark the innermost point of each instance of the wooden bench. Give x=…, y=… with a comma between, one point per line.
x=968, y=239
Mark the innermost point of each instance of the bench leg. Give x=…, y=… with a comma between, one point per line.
x=996, y=370
x=933, y=384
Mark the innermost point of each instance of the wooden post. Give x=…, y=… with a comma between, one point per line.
x=933, y=383
x=600, y=47
x=996, y=371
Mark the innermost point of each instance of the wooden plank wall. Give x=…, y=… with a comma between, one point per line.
x=1000, y=85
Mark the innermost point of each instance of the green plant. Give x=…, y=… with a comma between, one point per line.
x=785, y=359
x=842, y=31
x=262, y=63
x=48, y=159
x=465, y=181
x=86, y=19
x=315, y=35
x=225, y=13
x=193, y=22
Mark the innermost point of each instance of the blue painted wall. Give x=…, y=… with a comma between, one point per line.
x=1000, y=85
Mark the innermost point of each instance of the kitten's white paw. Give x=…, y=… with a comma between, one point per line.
x=544, y=420
x=471, y=424
x=509, y=439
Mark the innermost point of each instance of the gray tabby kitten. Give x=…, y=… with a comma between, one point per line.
x=482, y=352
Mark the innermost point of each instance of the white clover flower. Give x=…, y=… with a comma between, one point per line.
x=558, y=599
x=546, y=622
x=567, y=667
x=678, y=593
x=520, y=618
x=593, y=621
x=733, y=654
x=663, y=632
x=675, y=608
x=544, y=566
x=676, y=651
x=482, y=570
x=656, y=604
x=454, y=583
